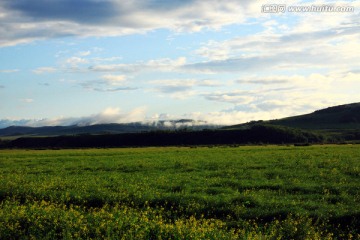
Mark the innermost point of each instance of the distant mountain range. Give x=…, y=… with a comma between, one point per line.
x=113, y=128
x=341, y=120
x=339, y=124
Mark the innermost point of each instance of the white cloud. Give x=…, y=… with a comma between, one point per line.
x=85, y=53
x=75, y=61
x=27, y=100
x=164, y=64
x=40, y=19
x=109, y=59
x=114, y=115
x=229, y=118
x=280, y=95
x=175, y=88
x=174, y=85
x=108, y=115
x=314, y=80
x=108, y=83
x=42, y=70
x=114, y=79
x=236, y=97
x=265, y=80
x=209, y=83
x=100, y=86
x=321, y=21
x=9, y=70
x=182, y=88
x=308, y=41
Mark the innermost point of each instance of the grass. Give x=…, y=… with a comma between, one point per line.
x=250, y=192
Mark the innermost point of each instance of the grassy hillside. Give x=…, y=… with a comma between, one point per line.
x=338, y=117
x=333, y=118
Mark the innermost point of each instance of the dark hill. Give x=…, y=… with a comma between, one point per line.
x=342, y=117
x=338, y=117
x=337, y=124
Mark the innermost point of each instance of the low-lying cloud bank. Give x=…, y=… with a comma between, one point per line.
x=235, y=115
x=109, y=115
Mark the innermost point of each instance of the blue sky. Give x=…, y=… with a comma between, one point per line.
x=68, y=62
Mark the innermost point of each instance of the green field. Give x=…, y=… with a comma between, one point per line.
x=250, y=192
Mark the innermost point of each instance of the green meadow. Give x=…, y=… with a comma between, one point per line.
x=247, y=192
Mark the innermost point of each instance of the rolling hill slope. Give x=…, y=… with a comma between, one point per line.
x=337, y=118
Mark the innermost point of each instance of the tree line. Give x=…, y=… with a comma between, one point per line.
x=257, y=134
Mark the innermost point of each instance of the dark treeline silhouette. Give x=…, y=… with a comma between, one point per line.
x=255, y=135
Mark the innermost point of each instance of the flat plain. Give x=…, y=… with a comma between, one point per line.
x=222, y=192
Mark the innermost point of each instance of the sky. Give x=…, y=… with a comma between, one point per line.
x=65, y=62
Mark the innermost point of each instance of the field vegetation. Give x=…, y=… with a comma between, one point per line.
x=248, y=192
